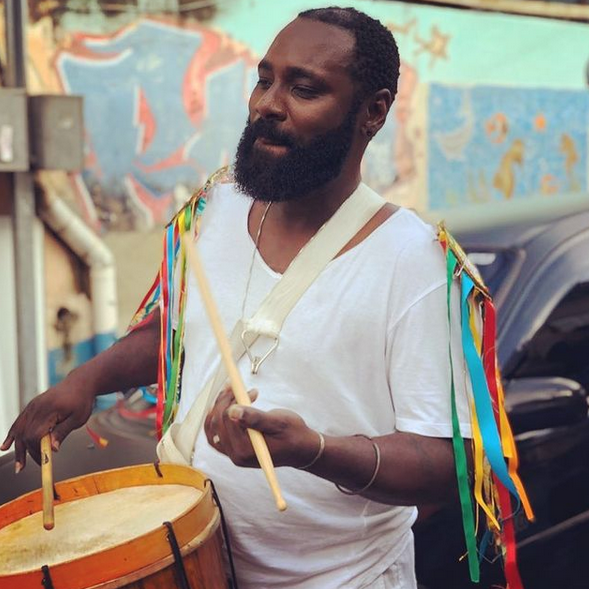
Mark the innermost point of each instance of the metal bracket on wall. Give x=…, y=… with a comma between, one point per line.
x=14, y=143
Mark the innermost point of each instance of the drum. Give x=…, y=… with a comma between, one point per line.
x=140, y=527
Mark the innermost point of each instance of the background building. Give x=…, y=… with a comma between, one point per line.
x=490, y=123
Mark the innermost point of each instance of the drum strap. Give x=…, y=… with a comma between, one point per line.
x=178, y=443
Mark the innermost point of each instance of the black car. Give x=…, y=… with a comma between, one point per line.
x=539, y=276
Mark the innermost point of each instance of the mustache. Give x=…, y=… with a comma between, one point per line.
x=265, y=129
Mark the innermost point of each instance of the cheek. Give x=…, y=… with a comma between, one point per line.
x=315, y=119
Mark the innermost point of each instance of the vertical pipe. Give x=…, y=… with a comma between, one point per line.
x=26, y=251
x=16, y=16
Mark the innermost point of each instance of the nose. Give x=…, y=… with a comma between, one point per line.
x=269, y=104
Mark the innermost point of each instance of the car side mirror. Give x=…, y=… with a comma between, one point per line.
x=544, y=402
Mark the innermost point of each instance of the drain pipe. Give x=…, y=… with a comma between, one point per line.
x=101, y=267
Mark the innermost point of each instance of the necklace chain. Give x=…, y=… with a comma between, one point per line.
x=256, y=249
x=256, y=245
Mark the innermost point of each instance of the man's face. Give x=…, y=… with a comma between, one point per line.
x=302, y=114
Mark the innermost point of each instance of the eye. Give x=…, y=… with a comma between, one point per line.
x=306, y=92
x=263, y=83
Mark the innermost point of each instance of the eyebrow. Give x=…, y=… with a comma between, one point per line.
x=292, y=71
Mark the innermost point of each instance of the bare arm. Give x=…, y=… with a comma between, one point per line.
x=414, y=469
x=131, y=361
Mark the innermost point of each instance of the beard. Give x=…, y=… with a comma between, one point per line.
x=303, y=168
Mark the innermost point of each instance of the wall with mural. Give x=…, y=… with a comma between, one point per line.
x=491, y=143
x=491, y=110
x=490, y=107
x=164, y=104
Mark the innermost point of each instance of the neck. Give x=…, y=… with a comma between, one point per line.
x=289, y=225
x=311, y=211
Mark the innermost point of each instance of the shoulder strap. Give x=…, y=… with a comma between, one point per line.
x=351, y=216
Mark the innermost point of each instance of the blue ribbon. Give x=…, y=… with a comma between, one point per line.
x=170, y=265
x=482, y=396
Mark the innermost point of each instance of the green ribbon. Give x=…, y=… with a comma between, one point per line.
x=459, y=451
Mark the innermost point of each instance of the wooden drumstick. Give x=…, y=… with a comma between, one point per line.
x=47, y=482
x=239, y=390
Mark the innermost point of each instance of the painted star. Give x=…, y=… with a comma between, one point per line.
x=436, y=46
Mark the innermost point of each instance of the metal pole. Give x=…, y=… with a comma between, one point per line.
x=16, y=11
x=24, y=219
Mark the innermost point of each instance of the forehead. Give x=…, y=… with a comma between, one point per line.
x=313, y=45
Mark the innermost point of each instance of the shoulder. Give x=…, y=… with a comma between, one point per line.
x=405, y=235
x=198, y=201
x=406, y=249
x=224, y=206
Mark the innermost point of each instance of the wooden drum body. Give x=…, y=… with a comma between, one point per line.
x=133, y=547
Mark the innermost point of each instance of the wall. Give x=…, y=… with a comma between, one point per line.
x=8, y=357
x=491, y=107
x=68, y=309
x=492, y=112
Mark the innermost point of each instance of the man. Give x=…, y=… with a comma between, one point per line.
x=357, y=391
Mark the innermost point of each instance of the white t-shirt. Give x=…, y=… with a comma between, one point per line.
x=365, y=350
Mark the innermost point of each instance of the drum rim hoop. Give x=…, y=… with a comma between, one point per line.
x=188, y=525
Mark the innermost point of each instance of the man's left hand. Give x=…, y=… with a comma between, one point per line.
x=290, y=441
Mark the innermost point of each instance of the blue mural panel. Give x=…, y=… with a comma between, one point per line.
x=164, y=106
x=489, y=143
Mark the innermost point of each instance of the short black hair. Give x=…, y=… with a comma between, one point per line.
x=376, y=64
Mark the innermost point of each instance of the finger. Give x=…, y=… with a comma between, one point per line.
x=33, y=446
x=60, y=431
x=208, y=422
x=271, y=422
x=212, y=434
x=226, y=395
x=55, y=443
x=214, y=419
x=7, y=443
x=214, y=428
x=253, y=395
x=20, y=455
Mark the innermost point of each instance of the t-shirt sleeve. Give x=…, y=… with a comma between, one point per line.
x=419, y=359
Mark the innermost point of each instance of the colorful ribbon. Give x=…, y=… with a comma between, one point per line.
x=495, y=453
x=169, y=288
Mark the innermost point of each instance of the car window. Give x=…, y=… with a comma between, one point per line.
x=561, y=346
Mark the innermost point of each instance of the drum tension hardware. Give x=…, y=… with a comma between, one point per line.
x=225, y=535
x=182, y=578
x=47, y=582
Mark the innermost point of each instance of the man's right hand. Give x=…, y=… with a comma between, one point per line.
x=131, y=362
x=58, y=411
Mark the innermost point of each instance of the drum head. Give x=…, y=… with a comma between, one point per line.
x=91, y=524
x=108, y=525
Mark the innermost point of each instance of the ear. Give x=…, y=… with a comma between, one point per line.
x=377, y=109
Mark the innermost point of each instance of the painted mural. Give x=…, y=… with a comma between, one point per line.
x=491, y=108
x=476, y=119
x=496, y=144
x=164, y=105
